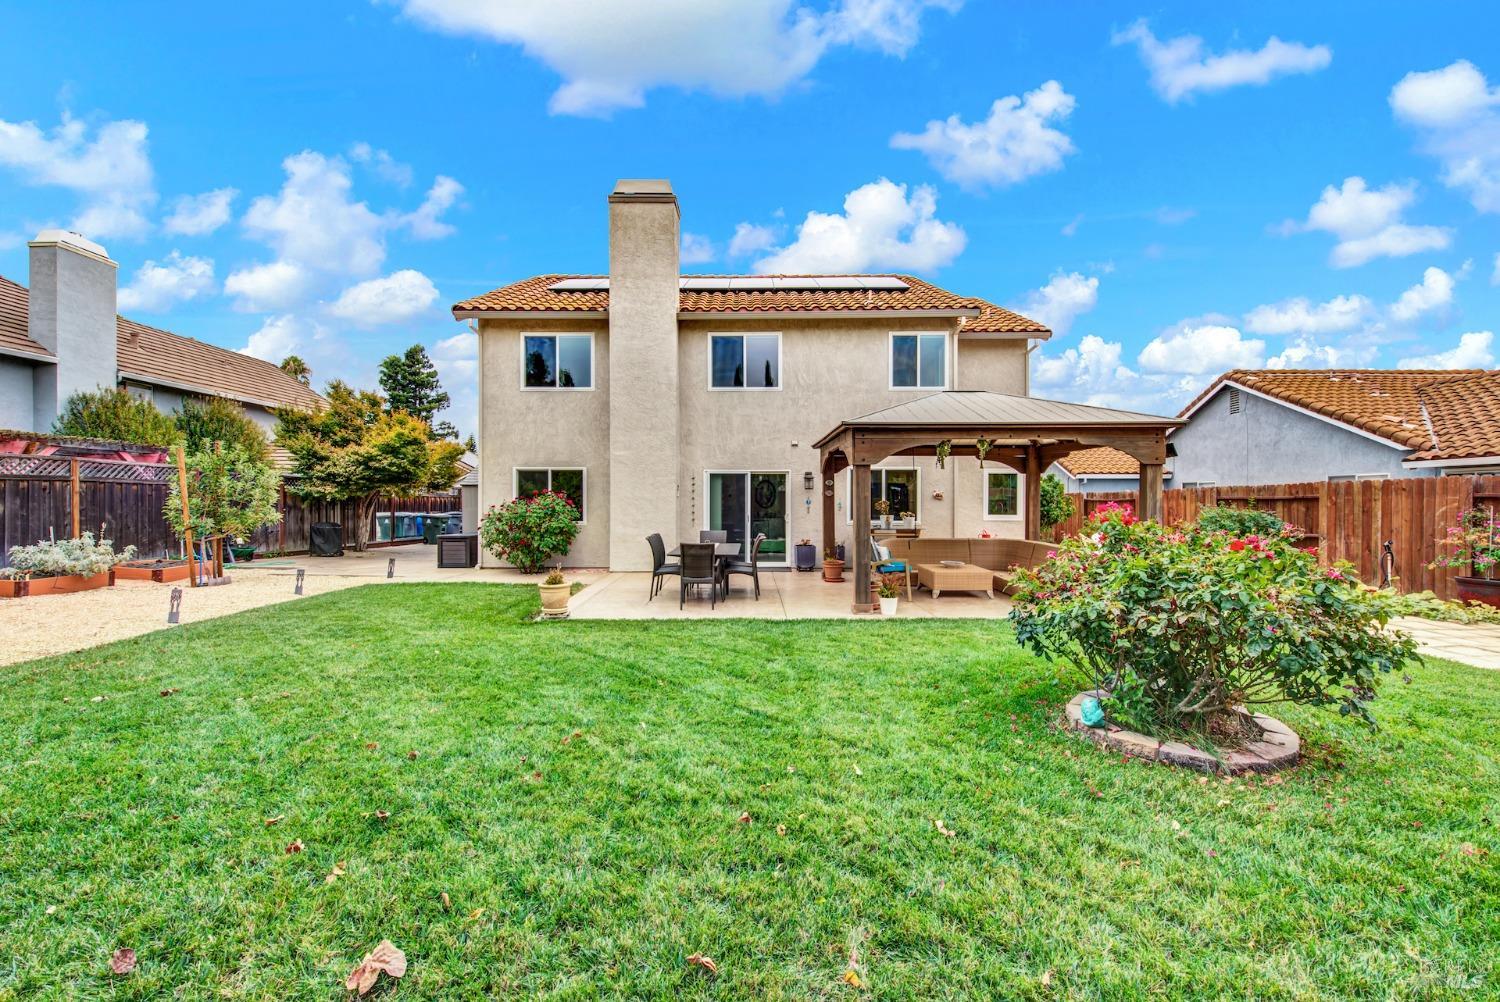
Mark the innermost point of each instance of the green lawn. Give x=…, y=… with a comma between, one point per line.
x=576, y=792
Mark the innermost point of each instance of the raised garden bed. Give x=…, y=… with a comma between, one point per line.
x=61, y=584
x=160, y=571
x=1278, y=747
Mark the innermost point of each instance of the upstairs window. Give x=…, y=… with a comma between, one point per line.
x=567, y=482
x=919, y=361
x=558, y=362
x=744, y=361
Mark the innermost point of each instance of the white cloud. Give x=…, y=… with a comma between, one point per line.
x=1062, y=300
x=457, y=362
x=277, y=338
x=1201, y=349
x=1367, y=222
x=111, y=172
x=273, y=286
x=158, y=286
x=1458, y=114
x=1071, y=226
x=1473, y=351
x=1433, y=292
x=396, y=298
x=1015, y=142
x=1299, y=316
x=1180, y=67
x=609, y=53
x=1090, y=373
x=200, y=215
x=752, y=239
x=880, y=228
x=314, y=222
x=382, y=163
x=424, y=222
x=696, y=249
x=1307, y=353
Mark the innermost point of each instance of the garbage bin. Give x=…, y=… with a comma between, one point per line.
x=432, y=527
x=326, y=539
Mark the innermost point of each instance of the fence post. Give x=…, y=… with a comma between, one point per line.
x=75, y=501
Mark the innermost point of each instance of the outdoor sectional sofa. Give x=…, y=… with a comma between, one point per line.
x=999, y=556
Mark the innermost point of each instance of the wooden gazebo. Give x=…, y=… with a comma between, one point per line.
x=1027, y=434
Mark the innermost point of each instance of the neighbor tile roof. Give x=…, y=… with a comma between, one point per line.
x=152, y=355
x=13, y=319
x=533, y=295
x=1101, y=461
x=1437, y=413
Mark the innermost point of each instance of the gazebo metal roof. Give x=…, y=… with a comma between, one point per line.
x=987, y=409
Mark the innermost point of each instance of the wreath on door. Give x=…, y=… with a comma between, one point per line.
x=765, y=492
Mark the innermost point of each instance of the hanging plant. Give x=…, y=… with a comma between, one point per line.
x=981, y=446
x=944, y=450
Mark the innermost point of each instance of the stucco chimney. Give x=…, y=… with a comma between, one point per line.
x=72, y=315
x=643, y=300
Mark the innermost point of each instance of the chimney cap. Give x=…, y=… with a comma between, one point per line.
x=638, y=190
x=69, y=238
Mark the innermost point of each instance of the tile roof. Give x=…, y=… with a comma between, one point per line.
x=1101, y=461
x=156, y=356
x=533, y=295
x=1437, y=413
x=13, y=320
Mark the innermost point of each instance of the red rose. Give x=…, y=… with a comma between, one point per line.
x=1237, y=545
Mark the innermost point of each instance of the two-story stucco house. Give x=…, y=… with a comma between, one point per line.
x=669, y=403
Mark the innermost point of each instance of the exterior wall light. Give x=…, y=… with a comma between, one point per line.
x=807, y=481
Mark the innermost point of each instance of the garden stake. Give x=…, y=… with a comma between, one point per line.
x=300, y=572
x=390, y=568
x=174, y=613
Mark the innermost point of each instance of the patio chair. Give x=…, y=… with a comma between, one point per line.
x=750, y=568
x=659, y=567
x=713, y=535
x=699, y=566
x=881, y=562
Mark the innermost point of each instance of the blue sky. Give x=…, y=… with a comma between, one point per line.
x=1176, y=188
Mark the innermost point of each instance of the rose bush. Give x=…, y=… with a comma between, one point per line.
x=529, y=531
x=1182, y=625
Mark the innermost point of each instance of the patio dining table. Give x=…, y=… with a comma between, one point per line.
x=722, y=551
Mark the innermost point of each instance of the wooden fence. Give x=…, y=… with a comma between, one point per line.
x=126, y=499
x=1348, y=520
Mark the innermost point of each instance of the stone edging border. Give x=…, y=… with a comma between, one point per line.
x=1279, y=748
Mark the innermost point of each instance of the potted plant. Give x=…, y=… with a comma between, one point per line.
x=908, y=525
x=1473, y=544
x=883, y=509
x=61, y=565
x=833, y=565
x=806, y=554
x=890, y=593
x=555, y=592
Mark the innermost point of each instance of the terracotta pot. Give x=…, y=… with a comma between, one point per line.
x=21, y=588
x=153, y=571
x=833, y=570
x=1486, y=590
x=555, y=597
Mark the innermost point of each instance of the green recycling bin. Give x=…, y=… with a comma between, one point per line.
x=431, y=529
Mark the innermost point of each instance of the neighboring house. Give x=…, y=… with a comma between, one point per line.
x=1271, y=426
x=1102, y=469
x=669, y=403
x=63, y=336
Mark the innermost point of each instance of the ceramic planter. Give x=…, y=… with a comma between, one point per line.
x=833, y=570
x=888, y=606
x=62, y=584
x=1486, y=590
x=160, y=571
x=555, y=597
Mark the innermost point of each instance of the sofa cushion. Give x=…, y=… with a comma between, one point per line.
x=933, y=550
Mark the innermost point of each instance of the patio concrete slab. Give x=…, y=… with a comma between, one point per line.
x=1475, y=644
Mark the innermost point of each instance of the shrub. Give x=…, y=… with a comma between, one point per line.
x=554, y=577
x=1056, y=505
x=1472, y=543
x=115, y=415
x=1185, y=625
x=204, y=422
x=230, y=493
x=1239, y=521
x=56, y=558
x=530, y=531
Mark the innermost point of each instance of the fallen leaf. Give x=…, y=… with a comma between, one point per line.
x=295, y=847
x=335, y=873
x=168, y=692
x=51, y=909
x=781, y=830
x=572, y=737
x=942, y=828
x=851, y=978
x=476, y=914
x=372, y=745
x=707, y=963
x=858, y=771
x=412, y=754
x=1046, y=977
x=745, y=818
x=381, y=815
x=1470, y=849
x=122, y=961
x=97, y=699
x=278, y=819
x=385, y=958
x=447, y=902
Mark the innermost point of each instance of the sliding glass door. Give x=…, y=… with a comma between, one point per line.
x=746, y=504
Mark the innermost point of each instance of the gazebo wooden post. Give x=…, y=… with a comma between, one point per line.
x=826, y=479
x=860, y=558
x=1149, y=494
x=1033, y=505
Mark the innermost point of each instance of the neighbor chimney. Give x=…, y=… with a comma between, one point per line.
x=72, y=315
x=643, y=405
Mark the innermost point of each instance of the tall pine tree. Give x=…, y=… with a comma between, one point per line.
x=410, y=382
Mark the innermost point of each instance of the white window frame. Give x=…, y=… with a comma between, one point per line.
x=515, y=484
x=984, y=496
x=890, y=360
x=780, y=365
x=874, y=471
x=593, y=360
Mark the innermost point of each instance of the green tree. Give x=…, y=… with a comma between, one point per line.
x=299, y=370
x=115, y=415
x=203, y=422
x=410, y=382
x=1056, y=505
x=231, y=493
x=356, y=449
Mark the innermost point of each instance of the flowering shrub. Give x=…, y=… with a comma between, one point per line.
x=1240, y=521
x=1183, y=625
x=1472, y=543
x=530, y=531
x=56, y=558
